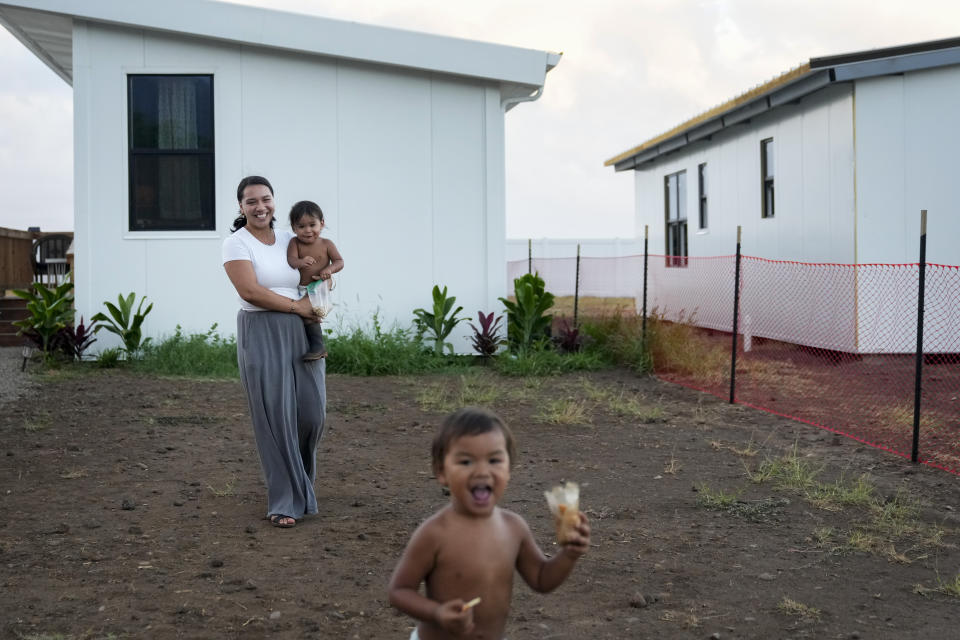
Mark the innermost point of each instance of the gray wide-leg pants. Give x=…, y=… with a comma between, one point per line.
x=287, y=399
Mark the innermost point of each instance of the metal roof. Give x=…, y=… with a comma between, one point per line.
x=791, y=87
x=46, y=28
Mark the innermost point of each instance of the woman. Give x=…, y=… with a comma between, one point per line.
x=287, y=397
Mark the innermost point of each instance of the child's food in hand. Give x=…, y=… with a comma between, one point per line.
x=319, y=292
x=564, y=502
x=471, y=604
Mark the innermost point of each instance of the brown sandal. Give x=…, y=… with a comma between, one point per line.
x=276, y=520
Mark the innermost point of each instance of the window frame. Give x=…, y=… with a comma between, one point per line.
x=678, y=225
x=207, y=224
x=767, y=188
x=702, y=201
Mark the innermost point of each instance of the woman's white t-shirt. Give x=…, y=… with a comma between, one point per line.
x=269, y=262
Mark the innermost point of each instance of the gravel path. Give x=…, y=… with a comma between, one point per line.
x=13, y=382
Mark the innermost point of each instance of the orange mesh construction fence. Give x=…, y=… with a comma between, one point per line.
x=832, y=345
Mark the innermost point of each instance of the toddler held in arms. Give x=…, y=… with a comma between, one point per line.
x=466, y=553
x=313, y=256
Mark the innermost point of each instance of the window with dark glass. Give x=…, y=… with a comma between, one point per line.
x=766, y=173
x=675, y=211
x=171, y=152
x=702, y=182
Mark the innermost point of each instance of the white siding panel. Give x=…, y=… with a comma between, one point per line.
x=932, y=124
x=841, y=202
x=459, y=249
x=812, y=200
x=289, y=112
x=112, y=265
x=880, y=141
x=813, y=226
x=495, y=197
x=906, y=150
x=792, y=191
x=385, y=185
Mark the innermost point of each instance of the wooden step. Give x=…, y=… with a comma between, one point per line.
x=12, y=309
x=13, y=340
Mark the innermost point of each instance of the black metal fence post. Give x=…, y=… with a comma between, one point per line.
x=576, y=289
x=529, y=255
x=919, y=374
x=736, y=317
x=646, y=234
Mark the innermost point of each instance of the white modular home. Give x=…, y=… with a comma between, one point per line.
x=830, y=162
x=398, y=136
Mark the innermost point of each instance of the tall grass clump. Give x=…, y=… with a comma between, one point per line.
x=374, y=351
x=680, y=347
x=618, y=338
x=547, y=362
x=198, y=355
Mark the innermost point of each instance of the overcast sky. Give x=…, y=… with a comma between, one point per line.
x=631, y=69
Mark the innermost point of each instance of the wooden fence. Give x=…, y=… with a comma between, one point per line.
x=16, y=266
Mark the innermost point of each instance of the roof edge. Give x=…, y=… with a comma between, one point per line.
x=311, y=34
x=791, y=86
x=35, y=48
x=782, y=80
x=884, y=52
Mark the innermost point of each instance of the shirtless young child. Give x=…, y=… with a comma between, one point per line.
x=466, y=553
x=313, y=256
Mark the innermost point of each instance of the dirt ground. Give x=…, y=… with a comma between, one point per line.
x=132, y=508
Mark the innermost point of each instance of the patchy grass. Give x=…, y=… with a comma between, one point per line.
x=225, y=491
x=900, y=417
x=868, y=542
x=950, y=587
x=718, y=500
x=677, y=346
x=73, y=474
x=588, y=306
x=789, y=472
x=880, y=526
x=548, y=362
x=685, y=619
x=564, y=411
x=837, y=495
x=622, y=403
x=42, y=423
x=473, y=390
x=790, y=607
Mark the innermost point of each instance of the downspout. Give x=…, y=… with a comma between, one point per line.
x=856, y=230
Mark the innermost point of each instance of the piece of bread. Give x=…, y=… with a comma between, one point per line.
x=564, y=503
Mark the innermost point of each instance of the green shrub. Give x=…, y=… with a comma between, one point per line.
x=528, y=323
x=619, y=339
x=51, y=311
x=375, y=352
x=125, y=322
x=440, y=322
x=202, y=355
x=108, y=358
x=547, y=362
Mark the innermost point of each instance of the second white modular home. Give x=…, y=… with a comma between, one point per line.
x=831, y=162
x=398, y=136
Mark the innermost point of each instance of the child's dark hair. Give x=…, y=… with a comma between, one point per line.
x=469, y=421
x=305, y=208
